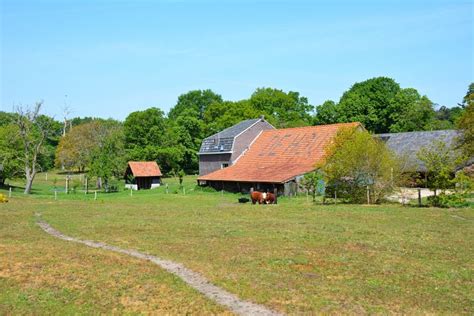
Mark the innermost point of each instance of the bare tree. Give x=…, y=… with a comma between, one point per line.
x=33, y=132
x=66, y=111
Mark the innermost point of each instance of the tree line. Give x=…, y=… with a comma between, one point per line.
x=103, y=146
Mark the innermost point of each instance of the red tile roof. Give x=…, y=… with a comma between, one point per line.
x=145, y=168
x=277, y=156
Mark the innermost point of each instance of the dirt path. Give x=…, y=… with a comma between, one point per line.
x=192, y=278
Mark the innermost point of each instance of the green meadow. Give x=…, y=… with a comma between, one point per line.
x=296, y=257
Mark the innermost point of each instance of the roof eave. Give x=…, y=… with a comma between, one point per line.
x=215, y=153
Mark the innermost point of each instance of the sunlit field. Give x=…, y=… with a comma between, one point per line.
x=294, y=257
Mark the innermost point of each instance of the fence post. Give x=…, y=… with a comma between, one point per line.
x=131, y=191
x=335, y=196
x=67, y=184
x=368, y=195
x=10, y=192
x=419, y=197
x=55, y=195
x=167, y=188
x=95, y=195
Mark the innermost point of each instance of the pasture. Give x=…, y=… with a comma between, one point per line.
x=294, y=257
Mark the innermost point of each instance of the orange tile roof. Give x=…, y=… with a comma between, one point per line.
x=145, y=168
x=277, y=156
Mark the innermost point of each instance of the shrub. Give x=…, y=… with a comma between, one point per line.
x=448, y=200
x=355, y=161
x=3, y=198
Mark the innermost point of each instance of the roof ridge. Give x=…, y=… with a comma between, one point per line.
x=312, y=126
x=228, y=128
x=412, y=132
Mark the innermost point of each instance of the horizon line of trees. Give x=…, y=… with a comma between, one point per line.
x=103, y=146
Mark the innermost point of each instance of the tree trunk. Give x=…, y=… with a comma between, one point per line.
x=29, y=182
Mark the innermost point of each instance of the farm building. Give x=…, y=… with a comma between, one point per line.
x=142, y=175
x=408, y=144
x=223, y=149
x=276, y=159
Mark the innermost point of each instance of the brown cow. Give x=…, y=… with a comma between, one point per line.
x=257, y=196
x=262, y=197
x=270, y=198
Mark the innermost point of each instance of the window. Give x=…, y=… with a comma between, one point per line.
x=224, y=165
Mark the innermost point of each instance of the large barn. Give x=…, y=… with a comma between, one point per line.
x=408, y=144
x=277, y=158
x=142, y=175
x=223, y=149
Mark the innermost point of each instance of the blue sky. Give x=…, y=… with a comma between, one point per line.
x=114, y=57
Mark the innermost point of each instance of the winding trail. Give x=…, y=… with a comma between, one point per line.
x=194, y=279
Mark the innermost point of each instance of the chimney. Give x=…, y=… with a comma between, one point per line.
x=262, y=117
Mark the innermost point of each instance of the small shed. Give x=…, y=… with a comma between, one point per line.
x=142, y=175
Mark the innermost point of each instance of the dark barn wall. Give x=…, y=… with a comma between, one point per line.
x=244, y=187
x=212, y=162
x=243, y=141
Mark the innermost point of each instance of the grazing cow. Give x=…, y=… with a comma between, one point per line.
x=270, y=198
x=262, y=197
x=259, y=197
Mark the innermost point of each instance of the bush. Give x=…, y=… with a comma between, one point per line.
x=356, y=160
x=3, y=198
x=448, y=200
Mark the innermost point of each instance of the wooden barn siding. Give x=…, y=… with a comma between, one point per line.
x=244, y=187
x=243, y=141
x=212, y=162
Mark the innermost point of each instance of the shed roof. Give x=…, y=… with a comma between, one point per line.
x=278, y=156
x=144, y=168
x=223, y=141
x=408, y=144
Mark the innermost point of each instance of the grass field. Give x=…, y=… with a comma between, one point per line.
x=294, y=257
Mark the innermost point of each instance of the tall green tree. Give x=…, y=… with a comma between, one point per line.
x=197, y=100
x=326, y=113
x=369, y=102
x=76, y=147
x=6, y=118
x=142, y=128
x=382, y=106
x=10, y=152
x=108, y=157
x=221, y=115
x=288, y=109
x=409, y=111
x=466, y=123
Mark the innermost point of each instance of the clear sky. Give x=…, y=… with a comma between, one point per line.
x=114, y=57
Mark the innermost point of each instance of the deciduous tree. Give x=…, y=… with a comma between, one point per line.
x=466, y=123
x=33, y=131
x=288, y=109
x=355, y=161
x=10, y=152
